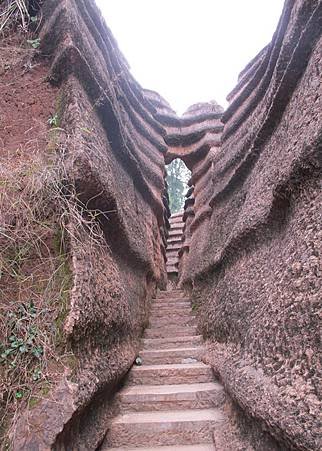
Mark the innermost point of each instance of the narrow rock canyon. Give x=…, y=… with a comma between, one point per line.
x=125, y=327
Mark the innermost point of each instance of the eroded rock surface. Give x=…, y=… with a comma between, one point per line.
x=113, y=162
x=254, y=258
x=251, y=249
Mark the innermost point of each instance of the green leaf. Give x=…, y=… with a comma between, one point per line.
x=35, y=43
x=32, y=330
x=19, y=394
x=36, y=375
x=15, y=344
x=37, y=352
x=53, y=121
x=33, y=312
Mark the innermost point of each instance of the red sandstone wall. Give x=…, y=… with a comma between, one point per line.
x=255, y=263
x=114, y=160
x=252, y=237
x=195, y=138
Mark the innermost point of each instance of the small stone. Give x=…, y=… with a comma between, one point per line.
x=189, y=360
x=138, y=361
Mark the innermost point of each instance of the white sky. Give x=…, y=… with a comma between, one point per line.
x=190, y=50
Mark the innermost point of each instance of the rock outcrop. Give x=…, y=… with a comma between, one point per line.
x=254, y=259
x=195, y=138
x=113, y=158
x=250, y=255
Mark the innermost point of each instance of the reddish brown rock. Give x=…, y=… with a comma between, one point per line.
x=113, y=164
x=255, y=240
x=249, y=250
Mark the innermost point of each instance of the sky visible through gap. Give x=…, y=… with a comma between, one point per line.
x=190, y=51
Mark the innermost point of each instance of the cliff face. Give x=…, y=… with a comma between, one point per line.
x=251, y=245
x=195, y=138
x=254, y=262
x=111, y=154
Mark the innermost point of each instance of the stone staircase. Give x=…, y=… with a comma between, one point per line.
x=174, y=243
x=172, y=401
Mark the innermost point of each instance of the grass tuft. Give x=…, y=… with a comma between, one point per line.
x=40, y=213
x=13, y=12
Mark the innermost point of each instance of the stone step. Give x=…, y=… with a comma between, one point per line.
x=172, y=270
x=186, y=373
x=164, y=428
x=172, y=300
x=173, y=261
x=174, y=216
x=167, y=312
x=165, y=448
x=173, y=294
x=171, y=397
x=177, y=225
x=174, y=310
x=184, y=320
x=171, y=331
x=172, y=254
x=175, y=232
x=163, y=311
x=172, y=355
x=171, y=304
x=169, y=259
x=173, y=247
x=164, y=343
x=172, y=240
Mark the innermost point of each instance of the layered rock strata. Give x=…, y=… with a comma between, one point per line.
x=195, y=138
x=113, y=164
x=251, y=247
x=255, y=235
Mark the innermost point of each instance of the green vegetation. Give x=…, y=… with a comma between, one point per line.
x=53, y=121
x=22, y=336
x=35, y=43
x=63, y=281
x=14, y=11
x=17, y=12
x=35, y=282
x=177, y=178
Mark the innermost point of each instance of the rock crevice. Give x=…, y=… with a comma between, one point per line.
x=246, y=248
